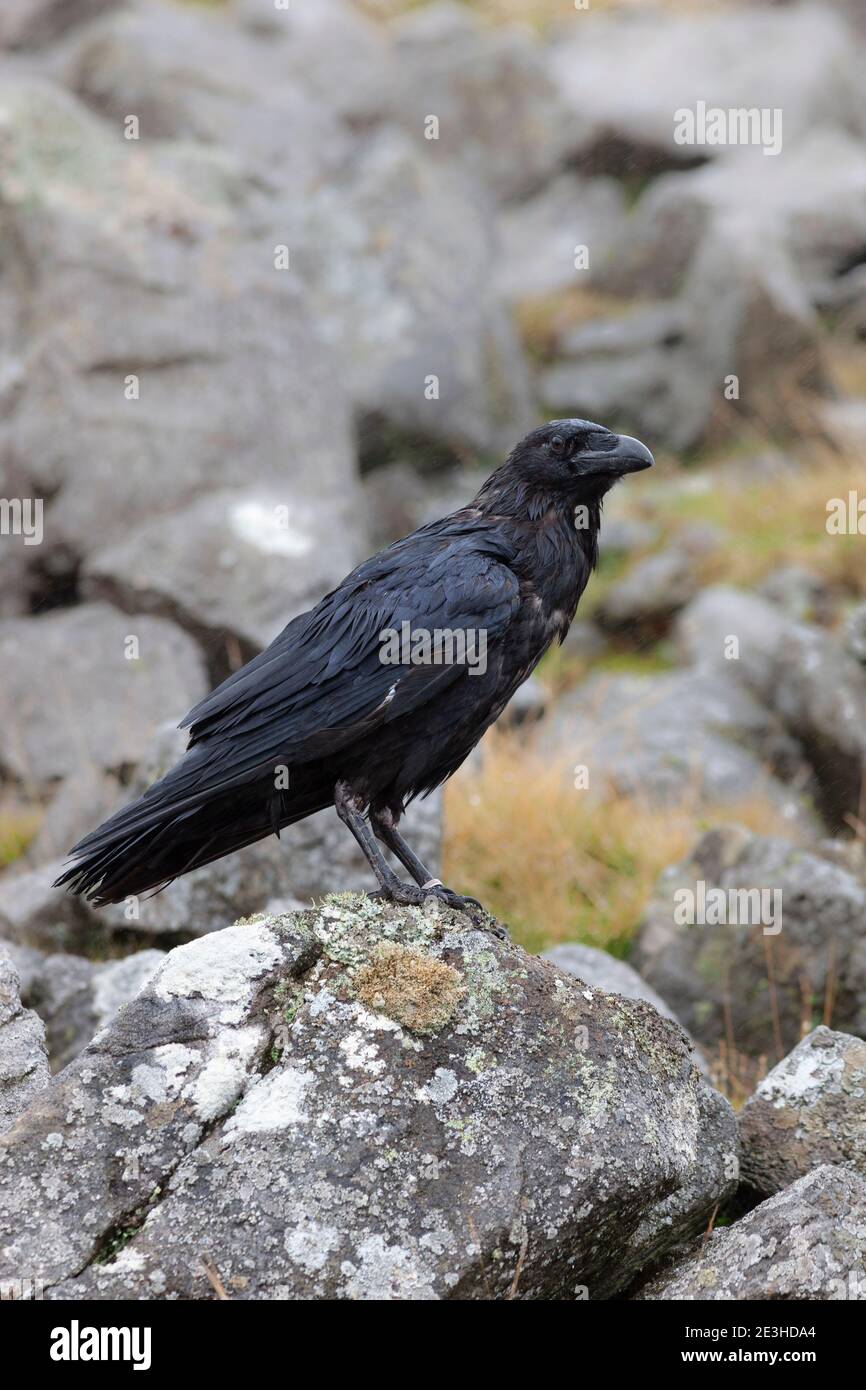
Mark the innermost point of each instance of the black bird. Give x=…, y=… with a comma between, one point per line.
x=476, y=598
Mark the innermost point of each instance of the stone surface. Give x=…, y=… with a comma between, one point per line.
x=23, y=1061
x=801, y=60
x=604, y=971
x=815, y=688
x=399, y=257
x=807, y=1111
x=364, y=1102
x=808, y=1242
x=732, y=980
x=499, y=111
x=32, y=23
x=103, y=706
x=540, y=236
x=153, y=274
x=233, y=564
x=75, y=997
x=650, y=593
x=680, y=734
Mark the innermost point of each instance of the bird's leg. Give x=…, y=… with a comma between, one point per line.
x=348, y=807
x=382, y=822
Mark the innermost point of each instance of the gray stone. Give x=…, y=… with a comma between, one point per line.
x=237, y=564
x=540, y=236
x=84, y=799
x=801, y=61
x=738, y=981
x=499, y=112
x=804, y=208
x=680, y=734
x=604, y=971
x=808, y=1242
x=23, y=1063
x=650, y=593
x=32, y=23
x=803, y=674
x=399, y=257
x=75, y=997
x=636, y=369
x=105, y=697
x=322, y=1105
x=807, y=1111
x=179, y=294
x=802, y=594
x=855, y=633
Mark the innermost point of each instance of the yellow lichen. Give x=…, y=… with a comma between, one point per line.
x=412, y=987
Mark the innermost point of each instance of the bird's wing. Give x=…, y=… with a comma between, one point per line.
x=322, y=682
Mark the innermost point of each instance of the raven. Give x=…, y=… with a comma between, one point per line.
x=327, y=715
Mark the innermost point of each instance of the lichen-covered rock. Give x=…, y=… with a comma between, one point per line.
x=362, y=1101
x=807, y=1242
x=604, y=971
x=809, y=1110
x=75, y=997
x=742, y=979
x=23, y=1062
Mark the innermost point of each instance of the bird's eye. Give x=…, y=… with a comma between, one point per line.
x=557, y=444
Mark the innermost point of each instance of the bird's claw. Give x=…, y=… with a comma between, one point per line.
x=409, y=895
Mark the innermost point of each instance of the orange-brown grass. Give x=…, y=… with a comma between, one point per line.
x=559, y=864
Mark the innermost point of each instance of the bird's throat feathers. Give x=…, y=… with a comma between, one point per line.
x=507, y=494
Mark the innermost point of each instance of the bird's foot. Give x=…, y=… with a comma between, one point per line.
x=409, y=895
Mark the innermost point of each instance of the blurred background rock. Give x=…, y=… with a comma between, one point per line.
x=217, y=441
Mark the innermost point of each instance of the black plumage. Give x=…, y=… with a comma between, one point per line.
x=323, y=711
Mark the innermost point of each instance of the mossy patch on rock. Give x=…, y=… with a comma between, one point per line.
x=411, y=987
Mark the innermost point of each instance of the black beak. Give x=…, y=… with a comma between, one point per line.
x=626, y=456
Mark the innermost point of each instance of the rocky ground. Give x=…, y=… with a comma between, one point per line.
x=220, y=328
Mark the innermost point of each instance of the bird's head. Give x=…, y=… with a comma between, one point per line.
x=563, y=464
x=577, y=457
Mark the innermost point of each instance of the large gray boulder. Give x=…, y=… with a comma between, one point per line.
x=399, y=256
x=807, y=1111
x=603, y=971
x=235, y=564
x=364, y=1102
x=807, y=1242
x=816, y=689
x=23, y=1059
x=76, y=691
x=154, y=321
x=805, y=208
x=681, y=734
x=750, y=980
x=499, y=111
x=75, y=997
x=32, y=23
x=540, y=236
x=801, y=60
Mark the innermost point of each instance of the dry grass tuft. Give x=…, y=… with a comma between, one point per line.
x=558, y=864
